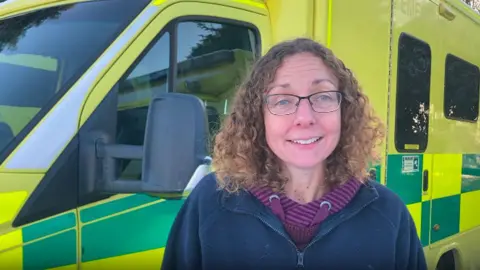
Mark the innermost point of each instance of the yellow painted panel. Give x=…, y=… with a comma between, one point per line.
x=158, y=2
x=447, y=175
x=469, y=214
x=282, y=15
x=10, y=202
x=11, y=259
x=416, y=212
x=447, y=135
x=151, y=259
x=370, y=34
x=252, y=3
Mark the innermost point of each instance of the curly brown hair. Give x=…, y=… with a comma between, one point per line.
x=242, y=158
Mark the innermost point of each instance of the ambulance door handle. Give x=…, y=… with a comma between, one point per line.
x=446, y=12
x=425, y=180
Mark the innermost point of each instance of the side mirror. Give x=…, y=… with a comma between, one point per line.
x=174, y=154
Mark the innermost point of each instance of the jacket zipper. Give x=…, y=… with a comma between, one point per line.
x=300, y=254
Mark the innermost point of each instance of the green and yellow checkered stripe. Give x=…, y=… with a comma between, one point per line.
x=129, y=232
x=449, y=205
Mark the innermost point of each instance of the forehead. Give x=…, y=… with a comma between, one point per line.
x=304, y=68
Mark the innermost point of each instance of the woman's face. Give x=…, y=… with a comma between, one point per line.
x=304, y=138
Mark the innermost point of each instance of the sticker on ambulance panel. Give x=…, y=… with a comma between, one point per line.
x=410, y=164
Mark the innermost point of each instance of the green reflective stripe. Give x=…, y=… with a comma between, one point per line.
x=470, y=173
x=112, y=207
x=139, y=230
x=425, y=225
x=378, y=173
x=408, y=185
x=445, y=212
x=48, y=226
x=55, y=251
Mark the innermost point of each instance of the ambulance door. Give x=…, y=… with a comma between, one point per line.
x=456, y=162
x=413, y=110
x=43, y=54
x=189, y=47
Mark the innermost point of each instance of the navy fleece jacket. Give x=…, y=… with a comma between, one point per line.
x=215, y=230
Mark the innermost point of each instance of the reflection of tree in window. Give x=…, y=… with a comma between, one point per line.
x=221, y=37
x=11, y=33
x=212, y=60
x=43, y=52
x=474, y=4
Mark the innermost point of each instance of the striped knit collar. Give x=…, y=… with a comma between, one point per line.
x=304, y=214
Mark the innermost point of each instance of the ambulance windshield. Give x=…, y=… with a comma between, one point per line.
x=44, y=52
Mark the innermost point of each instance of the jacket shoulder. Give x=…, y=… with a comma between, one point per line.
x=386, y=195
x=207, y=186
x=205, y=196
x=389, y=204
x=408, y=246
x=183, y=248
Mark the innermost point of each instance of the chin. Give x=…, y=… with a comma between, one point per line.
x=306, y=164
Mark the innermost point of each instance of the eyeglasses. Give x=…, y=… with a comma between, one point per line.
x=321, y=102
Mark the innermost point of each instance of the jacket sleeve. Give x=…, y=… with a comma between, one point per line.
x=182, y=251
x=410, y=254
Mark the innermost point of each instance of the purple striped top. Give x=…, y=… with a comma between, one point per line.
x=301, y=220
x=303, y=214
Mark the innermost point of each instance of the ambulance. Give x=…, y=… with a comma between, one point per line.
x=108, y=109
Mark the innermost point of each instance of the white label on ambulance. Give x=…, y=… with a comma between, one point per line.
x=410, y=164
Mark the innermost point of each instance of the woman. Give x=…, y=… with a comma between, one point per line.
x=290, y=187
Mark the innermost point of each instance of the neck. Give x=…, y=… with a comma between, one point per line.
x=306, y=185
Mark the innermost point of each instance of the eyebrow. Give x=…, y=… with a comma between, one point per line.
x=287, y=85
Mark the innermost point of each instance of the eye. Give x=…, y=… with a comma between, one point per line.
x=282, y=102
x=324, y=97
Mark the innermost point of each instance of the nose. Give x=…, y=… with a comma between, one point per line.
x=304, y=115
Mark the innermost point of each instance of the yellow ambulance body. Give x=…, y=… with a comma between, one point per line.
x=69, y=69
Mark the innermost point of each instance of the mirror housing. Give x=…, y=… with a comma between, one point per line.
x=174, y=154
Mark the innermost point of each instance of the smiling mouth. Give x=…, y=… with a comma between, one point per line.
x=305, y=142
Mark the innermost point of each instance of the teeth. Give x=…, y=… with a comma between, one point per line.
x=309, y=141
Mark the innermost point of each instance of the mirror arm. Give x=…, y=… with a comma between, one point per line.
x=109, y=153
x=123, y=186
x=167, y=168
x=119, y=151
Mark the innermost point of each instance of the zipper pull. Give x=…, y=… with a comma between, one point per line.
x=299, y=259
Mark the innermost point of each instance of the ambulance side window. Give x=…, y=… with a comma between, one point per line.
x=461, y=89
x=210, y=58
x=413, y=94
x=147, y=77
